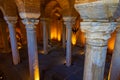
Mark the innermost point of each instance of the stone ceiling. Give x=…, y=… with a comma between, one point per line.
x=48, y=8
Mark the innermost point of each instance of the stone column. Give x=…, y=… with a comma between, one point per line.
x=68, y=21
x=48, y=28
x=32, y=48
x=11, y=21
x=45, y=35
x=115, y=63
x=97, y=35
x=63, y=36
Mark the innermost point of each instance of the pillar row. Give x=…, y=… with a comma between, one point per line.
x=32, y=48
x=45, y=35
x=68, y=21
x=11, y=21
x=97, y=35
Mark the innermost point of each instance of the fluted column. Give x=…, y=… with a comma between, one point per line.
x=115, y=63
x=32, y=48
x=45, y=35
x=68, y=21
x=97, y=35
x=64, y=36
x=11, y=21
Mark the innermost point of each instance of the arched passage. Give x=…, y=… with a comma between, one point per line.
x=4, y=44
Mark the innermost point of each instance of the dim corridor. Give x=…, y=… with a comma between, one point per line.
x=52, y=66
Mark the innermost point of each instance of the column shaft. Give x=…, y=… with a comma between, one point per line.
x=64, y=36
x=68, y=21
x=33, y=54
x=48, y=29
x=15, y=52
x=115, y=64
x=45, y=38
x=68, y=48
x=94, y=62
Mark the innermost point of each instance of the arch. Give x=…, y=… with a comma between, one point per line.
x=3, y=11
x=64, y=4
x=56, y=12
x=51, y=6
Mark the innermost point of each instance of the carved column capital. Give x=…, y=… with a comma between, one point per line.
x=11, y=20
x=97, y=33
x=30, y=23
x=68, y=21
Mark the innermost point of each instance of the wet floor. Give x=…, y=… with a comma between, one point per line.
x=52, y=66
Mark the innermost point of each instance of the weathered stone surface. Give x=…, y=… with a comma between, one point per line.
x=30, y=23
x=97, y=33
x=94, y=62
x=12, y=20
x=28, y=8
x=10, y=8
x=97, y=9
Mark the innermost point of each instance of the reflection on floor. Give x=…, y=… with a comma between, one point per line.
x=52, y=66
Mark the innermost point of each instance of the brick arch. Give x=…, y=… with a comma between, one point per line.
x=62, y=6
x=2, y=10
x=50, y=7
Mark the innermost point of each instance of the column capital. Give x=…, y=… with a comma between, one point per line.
x=30, y=23
x=44, y=19
x=68, y=21
x=11, y=20
x=97, y=33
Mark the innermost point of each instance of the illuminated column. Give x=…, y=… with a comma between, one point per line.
x=45, y=35
x=97, y=35
x=64, y=36
x=11, y=21
x=115, y=64
x=32, y=48
x=68, y=21
x=48, y=28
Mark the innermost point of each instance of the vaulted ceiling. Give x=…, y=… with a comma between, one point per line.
x=48, y=8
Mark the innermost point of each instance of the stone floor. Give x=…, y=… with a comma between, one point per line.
x=52, y=66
